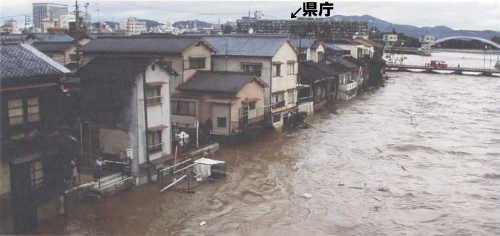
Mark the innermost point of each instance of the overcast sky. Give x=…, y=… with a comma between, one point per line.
x=475, y=15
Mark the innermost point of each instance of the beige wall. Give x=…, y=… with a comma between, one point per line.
x=4, y=177
x=285, y=83
x=208, y=110
x=196, y=51
x=250, y=91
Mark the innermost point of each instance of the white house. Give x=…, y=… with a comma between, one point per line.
x=127, y=112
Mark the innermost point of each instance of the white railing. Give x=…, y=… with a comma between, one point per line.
x=348, y=87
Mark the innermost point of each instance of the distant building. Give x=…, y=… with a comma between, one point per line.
x=47, y=15
x=10, y=26
x=134, y=26
x=427, y=38
x=322, y=28
x=390, y=39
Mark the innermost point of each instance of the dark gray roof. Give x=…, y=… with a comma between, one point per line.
x=246, y=46
x=218, y=82
x=312, y=72
x=53, y=46
x=59, y=37
x=102, y=68
x=140, y=45
x=24, y=61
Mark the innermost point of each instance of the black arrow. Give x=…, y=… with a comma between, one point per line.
x=294, y=15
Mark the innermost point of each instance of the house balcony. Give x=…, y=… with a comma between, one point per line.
x=302, y=100
x=278, y=105
x=348, y=87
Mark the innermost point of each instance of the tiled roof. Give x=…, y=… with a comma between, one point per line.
x=140, y=45
x=24, y=61
x=101, y=68
x=246, y=46
x=218, y=82
x=52, y=46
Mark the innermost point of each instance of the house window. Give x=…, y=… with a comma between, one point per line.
x=33, y=110
x=278, y=100
x=221, y=122
x=276, y=70
x=153, y=95
x=15, y=111
x=37, y=174
x=291, y=96
x=154, y=141
x=251, y=105
x=196, y=62
x=187, y=108
x=290, y=68
x=253, y=68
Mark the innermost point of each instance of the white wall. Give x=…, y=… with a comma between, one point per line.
x=159, y=114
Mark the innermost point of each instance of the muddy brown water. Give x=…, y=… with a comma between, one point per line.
x=420, y=156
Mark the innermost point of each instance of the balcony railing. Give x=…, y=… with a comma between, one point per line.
x=301, y=100
x=155, y=147
x=153, y=100
x=347, y=87
x=278, y=105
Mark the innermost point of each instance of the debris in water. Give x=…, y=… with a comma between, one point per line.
x=203, y=223
x=307, y=195
x=383, y=189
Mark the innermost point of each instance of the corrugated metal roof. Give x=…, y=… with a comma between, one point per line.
x=246, y=46
x=24, y=61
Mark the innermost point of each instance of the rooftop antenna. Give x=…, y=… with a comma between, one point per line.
x=77, y=16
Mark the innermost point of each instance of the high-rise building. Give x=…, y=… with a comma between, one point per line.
x=321, y=28
x=48, y=15
x=134, y=26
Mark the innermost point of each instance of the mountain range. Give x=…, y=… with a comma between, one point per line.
x=414, y=31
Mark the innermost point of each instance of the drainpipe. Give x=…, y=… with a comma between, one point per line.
x=148, y=162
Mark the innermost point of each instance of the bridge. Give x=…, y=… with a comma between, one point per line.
x=486, y=41
x=452, y=70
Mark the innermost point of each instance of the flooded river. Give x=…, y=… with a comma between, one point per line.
x=420, y=156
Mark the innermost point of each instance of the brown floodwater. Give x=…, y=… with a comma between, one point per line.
x=420, y=156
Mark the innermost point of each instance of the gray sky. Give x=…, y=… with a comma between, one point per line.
x=474, y=15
